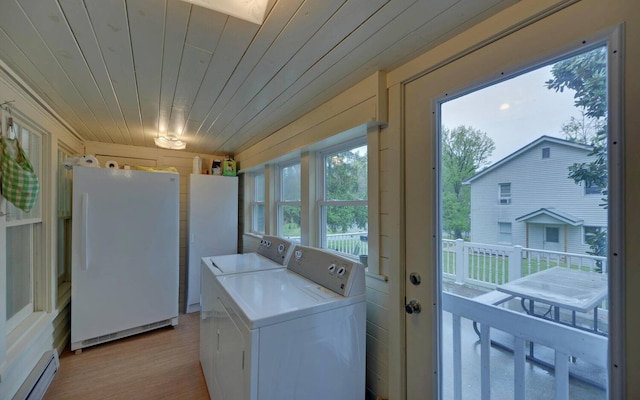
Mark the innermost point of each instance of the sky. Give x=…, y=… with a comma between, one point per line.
x=514, y=112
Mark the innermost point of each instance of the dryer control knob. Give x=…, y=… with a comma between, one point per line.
x=268, y=243
x=298, y=255
x=332, y=268
x=341, y=271
x=281, y=248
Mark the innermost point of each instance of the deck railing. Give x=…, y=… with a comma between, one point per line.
x=355, y=243
x=565, y=341
x=488, y=265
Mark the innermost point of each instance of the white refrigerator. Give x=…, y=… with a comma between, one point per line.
x=125, y=241
x=213, y=226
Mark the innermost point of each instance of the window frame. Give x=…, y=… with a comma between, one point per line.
x=501, y=233
x=280, y=203
x=322, y=203
x=254, y=202
x=546, y=153
x=592, y=190
x=503, y=199
x=36, y=222
x=546, y=234
x=64, y=209
x=597, y=228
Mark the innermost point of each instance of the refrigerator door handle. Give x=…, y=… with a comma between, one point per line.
x=84, y=236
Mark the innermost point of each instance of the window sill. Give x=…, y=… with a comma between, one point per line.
x=253, y=235
x=19, y=337
x=375, y=275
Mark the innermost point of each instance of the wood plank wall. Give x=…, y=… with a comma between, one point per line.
x=20, y=354
x=342, y=118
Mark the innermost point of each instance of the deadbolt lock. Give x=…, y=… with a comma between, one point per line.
x=415, y=278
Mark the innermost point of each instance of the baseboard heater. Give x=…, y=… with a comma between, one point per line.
x=36, y=384
x=78, y=346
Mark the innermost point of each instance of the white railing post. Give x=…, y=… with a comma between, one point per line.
x=460, y=264
x=515, y=263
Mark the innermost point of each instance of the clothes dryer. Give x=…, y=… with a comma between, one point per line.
x=294, y=333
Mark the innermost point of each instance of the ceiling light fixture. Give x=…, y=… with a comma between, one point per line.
x=248, y=10
x=170, y=142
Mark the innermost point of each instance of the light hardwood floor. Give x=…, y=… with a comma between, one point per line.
x=162, y=364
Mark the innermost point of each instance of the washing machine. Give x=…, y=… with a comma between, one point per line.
x=294, y=333
x=273, y=252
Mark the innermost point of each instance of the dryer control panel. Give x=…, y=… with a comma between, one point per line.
x=275, y=248
x=329, y=269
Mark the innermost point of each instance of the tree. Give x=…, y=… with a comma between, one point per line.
x=290, y=191
x=346, y=180
x=582, y=130
x=464, y=151
x=586, y=73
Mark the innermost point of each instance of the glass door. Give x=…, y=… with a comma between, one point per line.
x=522, y=171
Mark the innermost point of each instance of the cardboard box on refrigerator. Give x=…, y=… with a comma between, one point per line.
x=229, y=168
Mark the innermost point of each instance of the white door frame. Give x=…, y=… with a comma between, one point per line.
x=546, y=39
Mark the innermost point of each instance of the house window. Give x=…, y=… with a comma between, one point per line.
x=590, y=232
x=592, y=189
x=505, y=193
x=24, y=241
x=546, y=152
x=288, y=202
x=551, y=235
x=343, y=209
x=504, y=232
x=257, y=203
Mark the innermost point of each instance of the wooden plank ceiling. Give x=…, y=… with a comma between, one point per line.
x=125, y=71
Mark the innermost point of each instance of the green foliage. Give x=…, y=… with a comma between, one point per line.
x=346, y=180
x=598, y=244
x=291, y=220
x=464, y=151
x=593, y=173
x=586, y=73
x=456, y=212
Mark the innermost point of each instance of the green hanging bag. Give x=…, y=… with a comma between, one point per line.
x=20, y=184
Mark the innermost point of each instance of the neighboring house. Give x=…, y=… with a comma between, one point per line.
x=527, y=199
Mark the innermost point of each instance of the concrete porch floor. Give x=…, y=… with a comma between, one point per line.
x=539, y=381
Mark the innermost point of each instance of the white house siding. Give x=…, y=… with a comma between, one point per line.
x=535, y=183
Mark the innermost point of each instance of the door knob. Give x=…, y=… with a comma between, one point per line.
x=413, y=307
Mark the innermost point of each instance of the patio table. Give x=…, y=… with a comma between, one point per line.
x=559, y=287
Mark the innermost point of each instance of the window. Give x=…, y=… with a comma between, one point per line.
x=505, y=193
x=24, y=240
x=63, y=262
x=592, y=189
x=589, y=233
x=343, y=208
x=546, y=152
x=289, y=202
x=504, y=232
x=551, y=235
x=257, y=204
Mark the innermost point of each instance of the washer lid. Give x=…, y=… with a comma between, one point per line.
x=269, y=297
x=239, y=263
